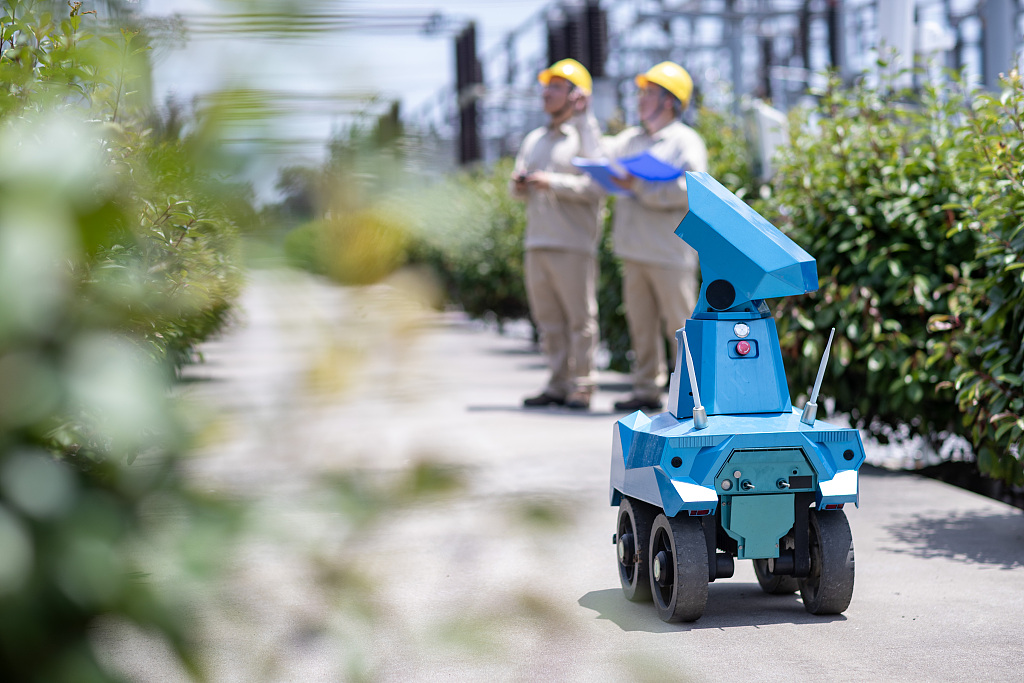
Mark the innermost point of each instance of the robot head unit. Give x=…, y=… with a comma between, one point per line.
x=744, y=259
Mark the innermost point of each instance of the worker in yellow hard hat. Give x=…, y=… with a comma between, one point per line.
x=672, y=78
x=563, y=208
x=659, y=270
x=570, y=70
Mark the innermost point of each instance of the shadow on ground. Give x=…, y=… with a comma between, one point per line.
x=730, y=605
x=514, y=351
x=549, y=411
x=615, y=387
x=994, y=539
x=990, y=538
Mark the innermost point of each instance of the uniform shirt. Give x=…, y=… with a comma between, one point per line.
x=566, y=215
x=643, y=228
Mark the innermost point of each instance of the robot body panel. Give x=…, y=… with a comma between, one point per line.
x=731, y=379
x=764, y=448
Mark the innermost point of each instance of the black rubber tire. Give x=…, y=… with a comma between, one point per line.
x=685, y=593
x=829, y=587
x=775, y=584
x=636, y=519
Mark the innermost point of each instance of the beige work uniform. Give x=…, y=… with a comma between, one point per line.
x=660, y=271
x=562, y=233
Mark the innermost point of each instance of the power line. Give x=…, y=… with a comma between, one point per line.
x=284, y=25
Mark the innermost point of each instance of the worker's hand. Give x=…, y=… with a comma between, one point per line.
x=579, y=100
x=538, y=180
x=519, y=178
x=627, y=183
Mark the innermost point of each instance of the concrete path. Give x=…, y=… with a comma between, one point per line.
x=332, y=397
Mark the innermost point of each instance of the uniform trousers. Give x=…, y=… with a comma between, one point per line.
x=561, y=290
x=658, y=300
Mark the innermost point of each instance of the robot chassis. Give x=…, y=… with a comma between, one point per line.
x=733, y=470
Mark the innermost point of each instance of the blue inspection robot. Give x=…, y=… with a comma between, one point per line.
x=733, y=470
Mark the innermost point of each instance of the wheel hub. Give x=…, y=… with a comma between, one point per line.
x=661, y=568
x=625, y=549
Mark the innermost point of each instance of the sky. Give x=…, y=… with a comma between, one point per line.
x=398, y=64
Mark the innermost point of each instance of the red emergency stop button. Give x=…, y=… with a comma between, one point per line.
x=743, y=348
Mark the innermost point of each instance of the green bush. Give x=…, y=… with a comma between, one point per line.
x=115, y=260
x=300, y=247
x=169, y=263
x=611, y=312
x=729, y=160
x=987, y=327
x=358, y=247
x=864, y=189
x=911, y=204
x=471, y=233
x=357, y=222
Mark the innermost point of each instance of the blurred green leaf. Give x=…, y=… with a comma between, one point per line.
x=98, y=309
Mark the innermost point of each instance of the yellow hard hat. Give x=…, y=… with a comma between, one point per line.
x=570, y=70
x=671, y=77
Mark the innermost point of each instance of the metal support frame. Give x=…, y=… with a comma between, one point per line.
x=798, y=38
x=796, y=561
x=720, y=565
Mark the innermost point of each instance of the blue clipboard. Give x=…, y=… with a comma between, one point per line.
x=601, y=171
x=645, y=165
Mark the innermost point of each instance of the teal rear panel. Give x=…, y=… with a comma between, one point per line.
x=756, y=488
x=757, y=522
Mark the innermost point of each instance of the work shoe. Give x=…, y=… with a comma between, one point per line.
x=637, y=403
x=578, y=400
x=543, y=399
